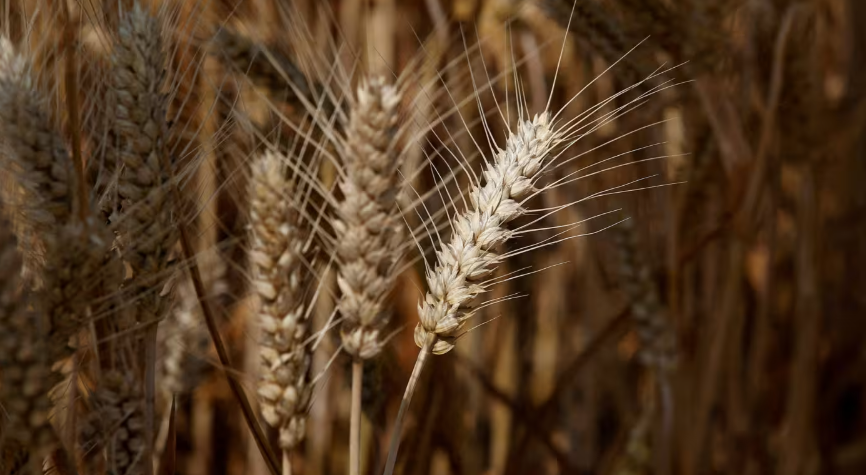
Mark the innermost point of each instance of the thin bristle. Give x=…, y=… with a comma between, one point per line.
x=279, y=279
x=368, y=226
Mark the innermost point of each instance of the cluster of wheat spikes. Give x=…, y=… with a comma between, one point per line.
x=101, y=221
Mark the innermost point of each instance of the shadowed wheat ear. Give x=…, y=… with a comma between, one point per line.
x=26, y=378
x=147, y=231
x=140, y=125
x=279, y=278
x=33, y=146
x=368, y=231
x=658, y=344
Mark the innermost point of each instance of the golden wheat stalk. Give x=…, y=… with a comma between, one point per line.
x=368, y=231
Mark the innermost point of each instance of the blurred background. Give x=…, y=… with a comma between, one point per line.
x=719, y=331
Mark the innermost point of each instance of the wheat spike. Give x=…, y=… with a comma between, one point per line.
x=279, y=280
x=26, y=377
x=369, y=226
x=33, y=144
x=139, y=123
x=658, y=342
x=469, y=256
x=186, y=340
x=75, y=268
x=116, y=424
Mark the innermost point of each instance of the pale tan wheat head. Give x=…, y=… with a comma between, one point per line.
x=368, y=226
x=280, y=280
x=470, y=255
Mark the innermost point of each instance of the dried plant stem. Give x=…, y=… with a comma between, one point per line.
x=426, y=349
x=222, y=353
x=355, y=423
x=287, y=463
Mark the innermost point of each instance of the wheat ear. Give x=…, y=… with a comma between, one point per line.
x=33, y=144
x=147, y=231
x=139, y=123
x=658, y=345
x=368, y=229
x=26, y=378
x=277, y=257
x=116, y=424
x=463, y=262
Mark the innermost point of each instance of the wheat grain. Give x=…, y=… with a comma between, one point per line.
x=368, y=226
x=279, y=280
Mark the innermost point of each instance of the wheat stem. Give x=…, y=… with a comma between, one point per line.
x=287, y=463
x=426, y=349
x=355, y=422
x=222, y=353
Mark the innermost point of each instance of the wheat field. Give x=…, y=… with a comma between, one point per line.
x=444, y=237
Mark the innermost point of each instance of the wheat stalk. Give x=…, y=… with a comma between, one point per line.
x=147, y=230
x=469, y=256
x=368, y=231
x=277, y=256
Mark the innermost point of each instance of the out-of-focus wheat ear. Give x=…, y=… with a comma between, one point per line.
x=636, y=459
x=265, y=68
x=139, y=123
x=185, y=342
x=115, y=425
x=658, y=349
x=368, y=231
x=76, y=270
x=368, y=225
x=148, y=233
x=26, y=378
x=33, y=146
x=280, y=281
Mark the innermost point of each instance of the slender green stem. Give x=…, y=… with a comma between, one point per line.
x=355, y=423
x=407, y=398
